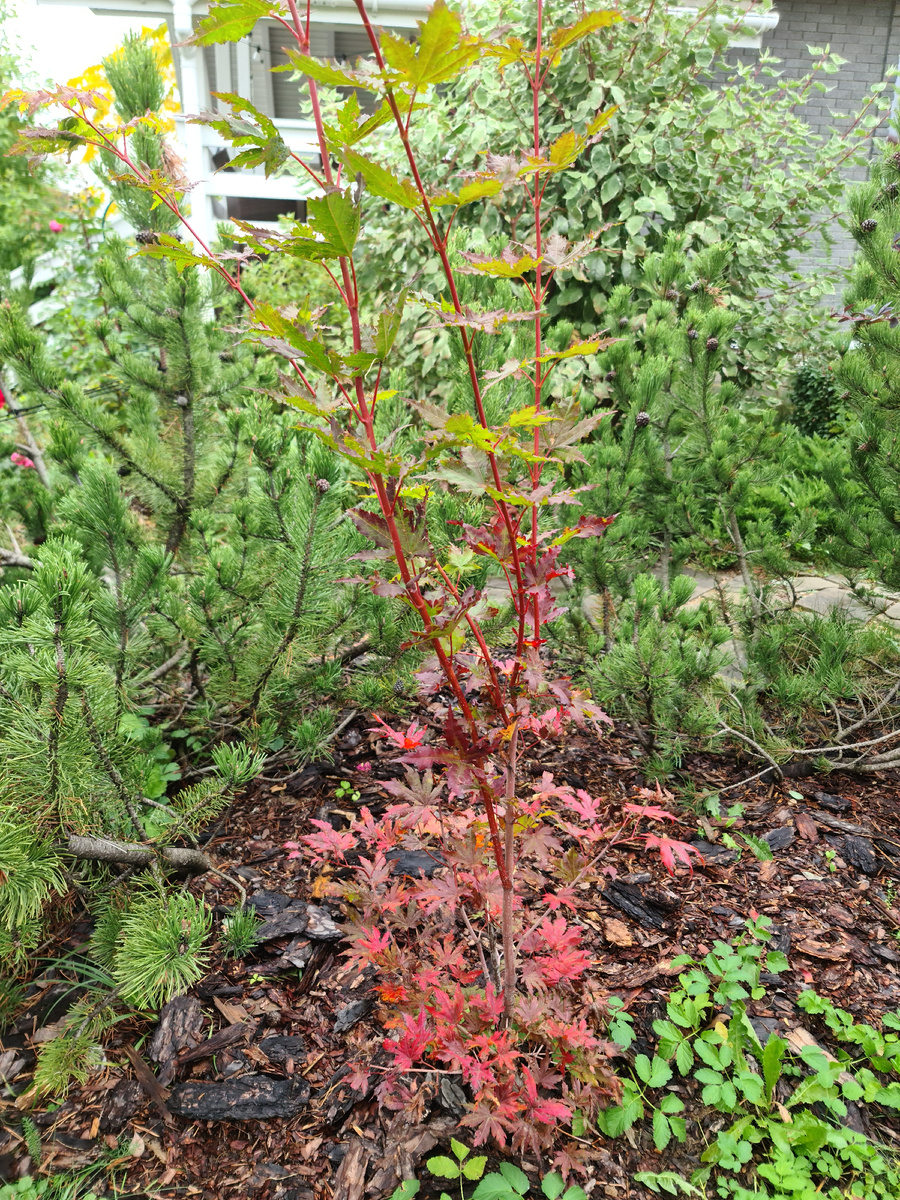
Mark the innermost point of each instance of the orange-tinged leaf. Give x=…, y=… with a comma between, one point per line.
x=439, y=53
x=528, y=418
x=479, y=189
x=512, y=51
x=578, y=349
x=506, y=267
x=583, y=27
x=566, y=149
x=601, y=120
x=230, y=22
x=323, y=72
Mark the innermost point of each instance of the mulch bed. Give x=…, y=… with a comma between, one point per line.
x=286, y=1021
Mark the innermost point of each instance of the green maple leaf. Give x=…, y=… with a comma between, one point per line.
x=230, y=22
x=336, y=218
x=439, y=53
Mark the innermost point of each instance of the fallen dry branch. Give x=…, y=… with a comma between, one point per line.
x=95, y=849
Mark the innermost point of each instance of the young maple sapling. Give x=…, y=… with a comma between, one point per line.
x=496, y=705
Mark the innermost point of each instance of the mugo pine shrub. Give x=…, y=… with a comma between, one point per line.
x=180, y=540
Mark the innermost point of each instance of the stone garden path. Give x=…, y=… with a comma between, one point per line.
x=810, y=593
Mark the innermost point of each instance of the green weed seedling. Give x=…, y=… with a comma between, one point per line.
x=508, y=1182
x=783, y=1138
x=55, y=1188
x=346, y=791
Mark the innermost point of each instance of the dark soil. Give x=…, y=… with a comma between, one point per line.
x=285, y=1022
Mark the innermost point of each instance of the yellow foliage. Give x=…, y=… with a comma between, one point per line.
x=94, y=80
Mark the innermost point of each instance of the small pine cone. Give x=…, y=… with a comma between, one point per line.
x=712, y=344
x=609, y=376
x=671, y=293
x=696, y=287
x=146, y=237
x=895, y=159
x=322, y=486
x=869, y=225
x=693, y=334
x=623, y=322
x=891, y=190
x=642, y=420
x=865, y=447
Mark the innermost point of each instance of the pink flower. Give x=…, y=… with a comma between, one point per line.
x=2, y=399
x=364, y=766
x=294, y=848
x=20, y=460
x=54, y=227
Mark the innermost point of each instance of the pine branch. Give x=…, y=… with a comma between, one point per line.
x=57, y=708
x=116, y=446
x=165, y=667
x=294, y=625
x=110, y=767
x=188, y=475
x=11, y=558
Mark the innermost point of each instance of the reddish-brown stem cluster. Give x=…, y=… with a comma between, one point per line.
x=504, y=693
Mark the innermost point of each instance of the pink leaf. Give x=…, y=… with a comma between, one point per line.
x=406, y=741
x=670, y=849
x=329, y=841
x=653, y=811
x=548, y=1112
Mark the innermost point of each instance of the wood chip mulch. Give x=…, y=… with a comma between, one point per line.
x=268, y=1039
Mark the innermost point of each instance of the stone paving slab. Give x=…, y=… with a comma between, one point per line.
x=815, y=594
x=828, y=599
x=811, y=583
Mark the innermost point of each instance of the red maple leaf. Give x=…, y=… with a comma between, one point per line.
x=328, y=842
x=376, y=943
x=548, y=1112
x=447, y=1009
x=406, y=741
x=563, y=895
x=586, y=806
x=558, y=934
x=565, y=964
x=358, y=1079
x=653, y=811
x=491, y=1121
x=671, y=849
x=411, y=1045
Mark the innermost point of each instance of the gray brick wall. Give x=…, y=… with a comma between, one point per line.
x=867, y=34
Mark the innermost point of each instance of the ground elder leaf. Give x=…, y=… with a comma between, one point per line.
x=552, y=1185
x=474, y=1168
x=443, y=1167
x=515, y=1177
x=494, y=1187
